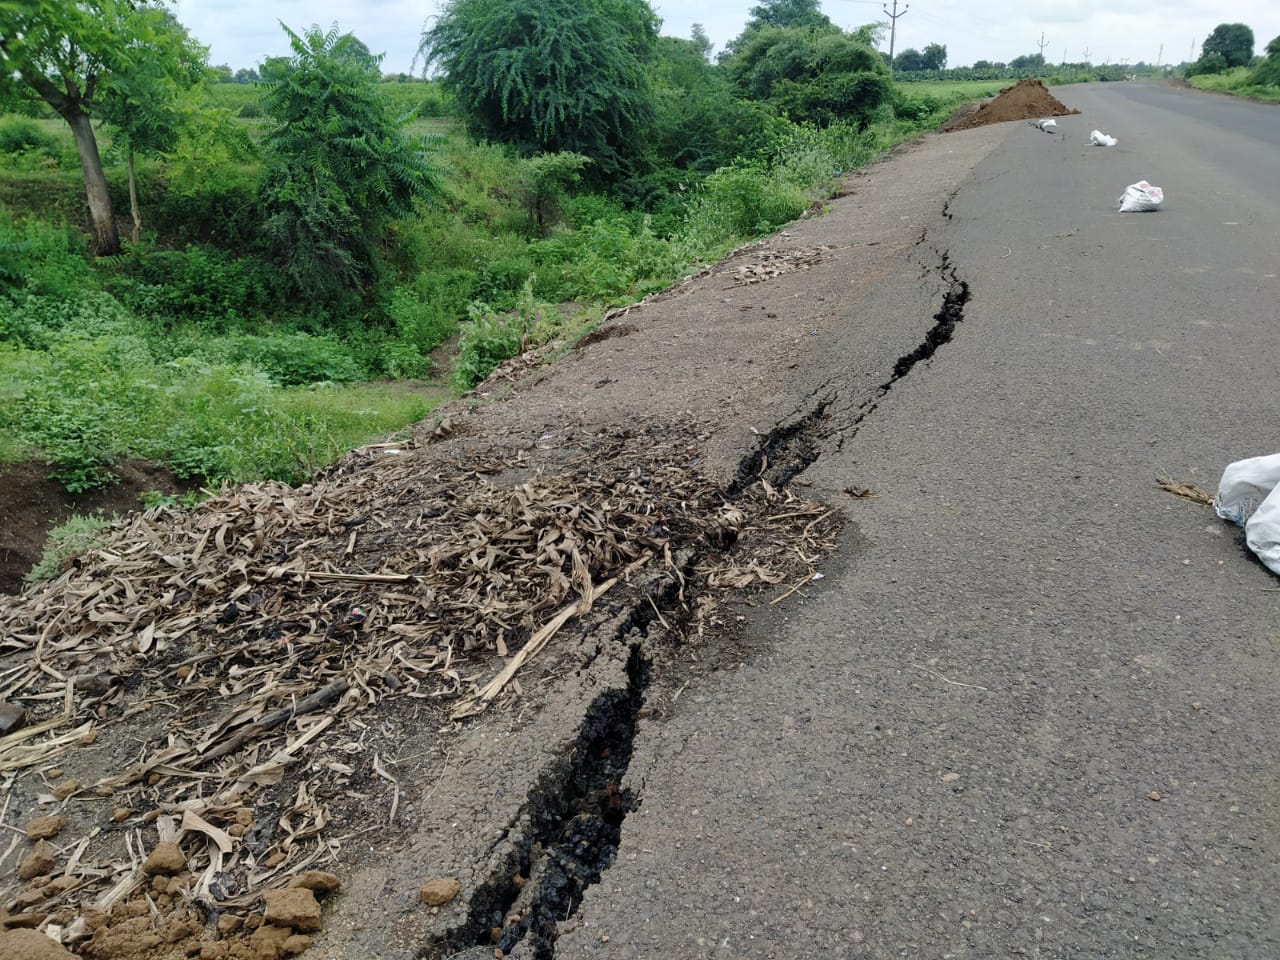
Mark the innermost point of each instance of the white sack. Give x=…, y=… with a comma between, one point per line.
x=1245, y=484
x=1262, y=532
x=1140, y=197
x=1100, y=139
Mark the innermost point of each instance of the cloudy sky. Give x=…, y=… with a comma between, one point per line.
x=243, y=32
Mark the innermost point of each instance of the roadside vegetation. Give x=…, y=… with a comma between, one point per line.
x=1227, y=65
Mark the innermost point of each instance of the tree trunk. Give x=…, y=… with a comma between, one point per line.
x=106, y=236
x=133, y=202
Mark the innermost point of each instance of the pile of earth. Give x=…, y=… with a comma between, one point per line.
x=1025, y=100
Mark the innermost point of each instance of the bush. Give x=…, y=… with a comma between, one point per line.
x=42, y=259
x=485, y=343
x=292, y=359
x=75, y=538
x=23, y=135
x=199, y=283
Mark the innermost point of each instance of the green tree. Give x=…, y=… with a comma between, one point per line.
x=908, y=60
x=813, y=74
x=68, y=54
x=246, y=75
x=1267, y=72
x=1030, y=61
x=337, y=167
x=1233, y=40
x=934, y=56
x=550, y=75
x=147, y=106
x=788, y=13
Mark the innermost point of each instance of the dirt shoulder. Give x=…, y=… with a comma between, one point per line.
x=429, y=664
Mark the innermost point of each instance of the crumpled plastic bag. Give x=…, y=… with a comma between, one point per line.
x=1140, y=197
x=1047, y=125
x=1249, y=495
x=1100, y=139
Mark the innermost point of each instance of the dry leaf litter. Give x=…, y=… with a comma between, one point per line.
x=241, y=642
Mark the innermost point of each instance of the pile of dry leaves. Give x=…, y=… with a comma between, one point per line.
x=239, y=643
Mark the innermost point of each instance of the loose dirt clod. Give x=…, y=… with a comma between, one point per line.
x=42, y=828
x=1025, y=100
x=30, y=945
x=436, y=893
x=294, y=907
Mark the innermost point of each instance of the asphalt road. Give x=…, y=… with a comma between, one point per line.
x=1031, y=710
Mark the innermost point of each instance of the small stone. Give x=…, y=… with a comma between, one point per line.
x=66, y=789
x=294, y=907
x=268, y=939
x=274, y=860
x=42, y=828
x=294, y=945
x=53, y=773
x=88, y=740
x=1154, y=795
x=39, y=861
x=120, y=814
x=436, y=893
x=31, y=945
x=29, y=898
x=103, y=790
x=25, y=921
x=321, y=880
x=12, y=718
x=167, y=858
x=237, y=830
x=228, y=924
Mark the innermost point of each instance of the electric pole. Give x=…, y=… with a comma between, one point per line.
x=893, y=29
x=1160, y=55
x=1086, y=56
x=1043, y=43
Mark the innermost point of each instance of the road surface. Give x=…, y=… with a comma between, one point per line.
x=1031, y=709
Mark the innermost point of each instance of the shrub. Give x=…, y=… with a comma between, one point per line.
x=485, y=343
x=292, y=359
x=200, y=283
x=75, y=538
x=23, y=135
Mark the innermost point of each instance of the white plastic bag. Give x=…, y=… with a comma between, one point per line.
x=1249, y=494
x=1140, y=197
x=1244, y=485
x=1100, y=139
x=1262, y=532
x=1047, y=125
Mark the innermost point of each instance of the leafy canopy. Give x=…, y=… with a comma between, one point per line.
x=338, y=167
x=1234, y=41
x=817, y=74
x=550, y=75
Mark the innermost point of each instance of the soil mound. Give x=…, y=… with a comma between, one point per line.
x=1025, y=100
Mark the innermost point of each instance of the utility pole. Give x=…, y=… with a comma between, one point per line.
x=893, y=29
x=1160, y=55
x=1086, y=56
x=1043, y=43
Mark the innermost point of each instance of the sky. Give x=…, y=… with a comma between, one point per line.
x=241, y=33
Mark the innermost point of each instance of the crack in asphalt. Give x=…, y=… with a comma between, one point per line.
x=567, y=832
x=796, y=444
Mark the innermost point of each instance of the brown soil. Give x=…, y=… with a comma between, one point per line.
x=31, y=505
x=1025, y=100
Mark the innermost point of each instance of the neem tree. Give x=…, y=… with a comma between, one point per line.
x=78, y=57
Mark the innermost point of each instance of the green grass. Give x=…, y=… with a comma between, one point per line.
x=1236, y=83
x=956, y=91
